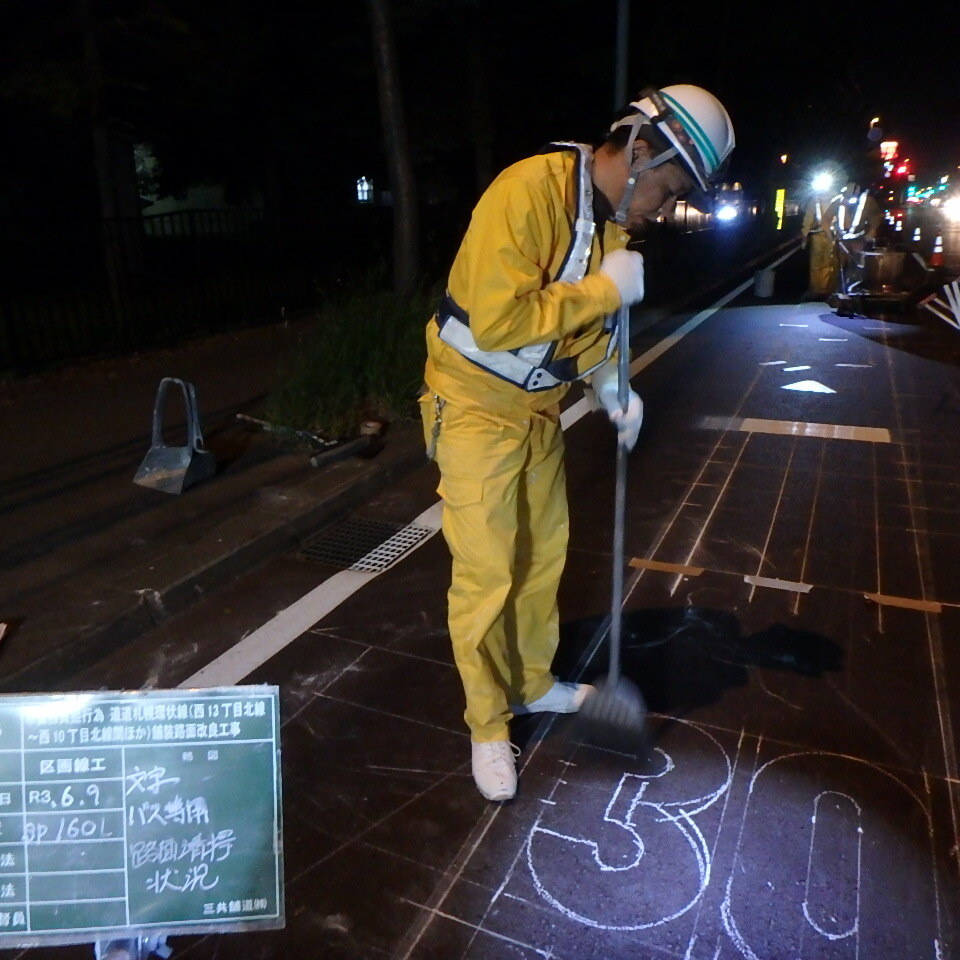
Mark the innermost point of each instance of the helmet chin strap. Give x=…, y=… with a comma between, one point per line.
x=636, y=168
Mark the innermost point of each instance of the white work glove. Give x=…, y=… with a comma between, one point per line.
x=604, y=382
x=625, y=269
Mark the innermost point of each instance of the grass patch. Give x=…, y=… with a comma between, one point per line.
x=364, y=361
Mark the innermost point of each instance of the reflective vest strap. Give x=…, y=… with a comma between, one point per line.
x=503, y=363
x=531, y=367
x=524, y=359
x=508, y=366
x=858, y=216
x=575, y=263
x=851, y=232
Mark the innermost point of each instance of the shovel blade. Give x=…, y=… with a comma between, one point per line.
x=174, y=469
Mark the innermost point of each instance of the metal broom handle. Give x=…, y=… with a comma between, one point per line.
x=620, y=494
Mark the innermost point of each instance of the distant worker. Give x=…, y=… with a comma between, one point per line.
x=529, y=308
x=854, y=217
x=815, y=233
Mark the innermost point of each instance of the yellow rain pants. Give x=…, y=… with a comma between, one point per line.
x=817, y=229
x=499, y=447
x=824, y=268
x=505, y=522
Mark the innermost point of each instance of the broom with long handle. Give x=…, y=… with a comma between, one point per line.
x=614, y=716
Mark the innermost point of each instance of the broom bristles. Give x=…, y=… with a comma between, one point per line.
x=614, y=718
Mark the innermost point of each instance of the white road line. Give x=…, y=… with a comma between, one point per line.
x=792, y=586
x=244, y=657
x=796, y=428
x=266, y=641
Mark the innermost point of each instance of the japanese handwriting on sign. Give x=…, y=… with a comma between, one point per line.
x=213, y=848
x=148, y=781
x=194, y=878
x=176, y=810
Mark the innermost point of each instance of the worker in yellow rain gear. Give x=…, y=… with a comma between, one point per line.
x=817, y=236
x=854, y=218
x=529, y=308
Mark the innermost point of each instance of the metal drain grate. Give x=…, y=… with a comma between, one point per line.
x=358, y=544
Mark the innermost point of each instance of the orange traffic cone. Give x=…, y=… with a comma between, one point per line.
x=936, y=258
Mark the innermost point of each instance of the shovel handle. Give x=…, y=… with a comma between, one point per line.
x=194, y=435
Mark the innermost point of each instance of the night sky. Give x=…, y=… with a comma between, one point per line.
x=282, y=97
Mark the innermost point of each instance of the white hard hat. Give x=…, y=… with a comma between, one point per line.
x=695, y=123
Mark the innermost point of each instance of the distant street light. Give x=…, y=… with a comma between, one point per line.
x=822, y=182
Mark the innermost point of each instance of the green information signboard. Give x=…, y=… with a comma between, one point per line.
x=153, y=811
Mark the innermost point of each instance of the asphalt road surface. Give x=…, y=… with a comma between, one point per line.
x=791, y=616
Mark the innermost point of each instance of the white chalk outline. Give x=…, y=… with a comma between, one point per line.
x=726, y=907
x=813, y=842
x=683, y=820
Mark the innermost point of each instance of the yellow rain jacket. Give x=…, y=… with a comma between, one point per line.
x=816, y=229
x=500, y=447
x=516, y=243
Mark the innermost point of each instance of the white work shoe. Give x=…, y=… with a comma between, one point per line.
x=560, y=698
x=494, y=769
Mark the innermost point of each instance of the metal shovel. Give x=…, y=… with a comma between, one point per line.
x=173, y=469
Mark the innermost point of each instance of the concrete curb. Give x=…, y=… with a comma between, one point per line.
x=278, y=522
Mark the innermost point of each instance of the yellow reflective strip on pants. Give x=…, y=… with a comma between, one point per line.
x=505, y=521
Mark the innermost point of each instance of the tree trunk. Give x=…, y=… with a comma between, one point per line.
x=406, y=221
x=122, y=230
x=481, y=113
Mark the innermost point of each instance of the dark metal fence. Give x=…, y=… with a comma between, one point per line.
x=81, y=289
x=77, y=289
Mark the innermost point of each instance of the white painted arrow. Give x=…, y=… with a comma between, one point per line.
x=808, y=386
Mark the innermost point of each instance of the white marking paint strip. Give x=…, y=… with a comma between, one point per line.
x=797, y=428
x=795, y=325
x=793, y=369
x=833, y=339
x=575, y=412
x=664, y=345
x=244, y=657
x=789, y=585
x=829, y=431
x=859, y=366
x=772, y=363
